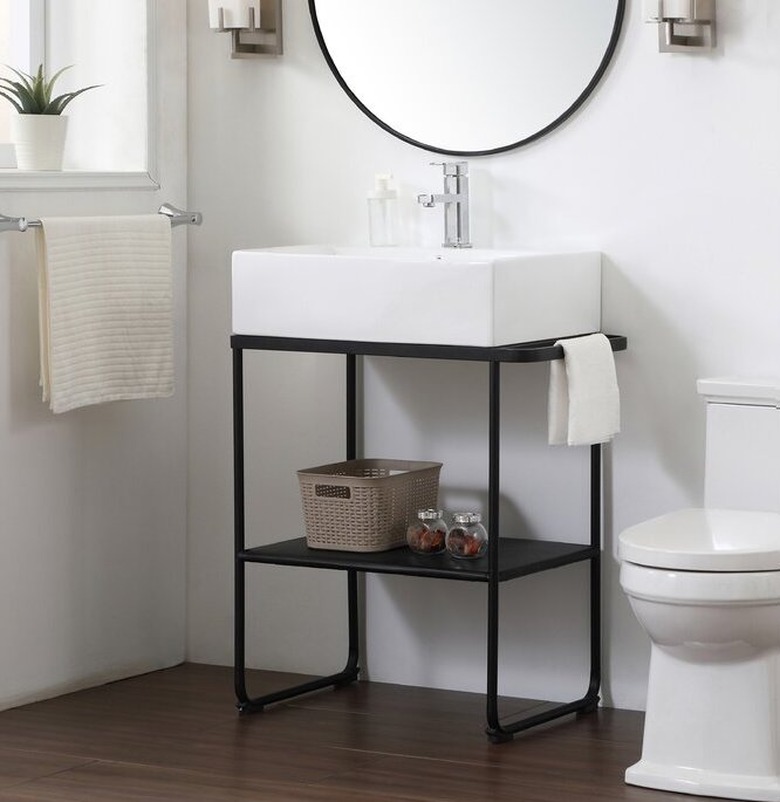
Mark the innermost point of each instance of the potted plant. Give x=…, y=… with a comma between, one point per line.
x=38, y=130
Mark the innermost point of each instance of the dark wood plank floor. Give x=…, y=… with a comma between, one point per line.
x=175, y=735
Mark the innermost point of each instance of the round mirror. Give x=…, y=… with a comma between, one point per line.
x=466, y=78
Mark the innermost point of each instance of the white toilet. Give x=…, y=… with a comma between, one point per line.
x=705, y=585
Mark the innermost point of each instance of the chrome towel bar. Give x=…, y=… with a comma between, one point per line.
x=177, y=218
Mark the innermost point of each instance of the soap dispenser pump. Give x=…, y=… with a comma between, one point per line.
x=383, y=212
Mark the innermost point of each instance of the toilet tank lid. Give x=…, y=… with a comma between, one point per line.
x=735, y=390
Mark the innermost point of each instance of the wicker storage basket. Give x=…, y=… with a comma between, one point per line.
x=365, y=504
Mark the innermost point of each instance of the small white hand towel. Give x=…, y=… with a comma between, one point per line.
x=584, y=401
x=105, y=309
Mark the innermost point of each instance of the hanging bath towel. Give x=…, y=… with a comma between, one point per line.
x=584, y=400
x=106, y=309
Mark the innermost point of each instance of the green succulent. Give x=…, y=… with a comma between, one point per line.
x=31, y=94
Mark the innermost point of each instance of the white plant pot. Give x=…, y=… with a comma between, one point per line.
x=39, y=140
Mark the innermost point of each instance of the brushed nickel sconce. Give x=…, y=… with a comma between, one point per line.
x=683, y=25
x=255, y=26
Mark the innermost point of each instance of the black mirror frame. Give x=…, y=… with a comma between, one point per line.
x=578, y=102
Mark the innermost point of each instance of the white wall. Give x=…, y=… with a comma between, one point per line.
x=92, y=502
x=672, y=170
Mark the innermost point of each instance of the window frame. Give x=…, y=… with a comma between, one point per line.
x=29, y=46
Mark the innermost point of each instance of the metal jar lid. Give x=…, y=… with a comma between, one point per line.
x=467, y=517
x=429, y=514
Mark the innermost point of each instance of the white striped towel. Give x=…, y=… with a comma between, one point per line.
x=105, y=309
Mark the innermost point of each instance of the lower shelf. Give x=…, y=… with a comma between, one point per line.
x=517, y=558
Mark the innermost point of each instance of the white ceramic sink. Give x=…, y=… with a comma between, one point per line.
x=415, y=295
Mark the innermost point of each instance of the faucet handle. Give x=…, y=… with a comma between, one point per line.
x=453, y=168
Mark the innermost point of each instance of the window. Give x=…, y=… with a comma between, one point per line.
x=22, y=44
x=106, y=43
x=5, y=41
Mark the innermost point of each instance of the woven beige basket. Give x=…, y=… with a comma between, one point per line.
x=365, y=504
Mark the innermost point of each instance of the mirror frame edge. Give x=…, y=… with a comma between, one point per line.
x=578, y=102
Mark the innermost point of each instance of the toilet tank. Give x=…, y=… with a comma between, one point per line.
x=742, y=462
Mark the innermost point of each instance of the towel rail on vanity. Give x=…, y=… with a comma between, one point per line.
x=178, y=217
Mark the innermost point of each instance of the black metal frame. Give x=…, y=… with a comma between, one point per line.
x=507, y=558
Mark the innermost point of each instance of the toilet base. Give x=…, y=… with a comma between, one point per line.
x=712, y=721
x=703, y=783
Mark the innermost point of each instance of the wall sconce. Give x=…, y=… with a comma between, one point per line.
x=683, y=25
x=255, y=26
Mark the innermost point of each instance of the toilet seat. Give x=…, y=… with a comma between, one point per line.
x=668, y=586
x=705, y=540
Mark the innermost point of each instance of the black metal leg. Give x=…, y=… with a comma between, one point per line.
x=239, y=620
x=494, y=429
x=351, y=406
x=352, y=669
x=245, y=703
x=595, y=576
x=495, y=730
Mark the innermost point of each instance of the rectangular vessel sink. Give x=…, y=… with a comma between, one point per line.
x=415, y=295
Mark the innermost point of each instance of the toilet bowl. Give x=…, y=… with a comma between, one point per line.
x=705, y=586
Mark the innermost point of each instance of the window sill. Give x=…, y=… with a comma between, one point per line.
x=45, y=180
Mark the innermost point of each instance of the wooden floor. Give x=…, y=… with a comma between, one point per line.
x=175, y=735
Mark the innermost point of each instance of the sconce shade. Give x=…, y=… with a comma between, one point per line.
x=652, y=10
x=690, y=10
x=683, y=25
x=679, y=9
x=235, y=13
x=255, y=26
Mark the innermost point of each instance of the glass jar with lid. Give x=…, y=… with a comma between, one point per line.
x=467, y=538
x=427, y=535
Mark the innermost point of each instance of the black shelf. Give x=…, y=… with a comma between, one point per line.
x=517, y=557
x=538, y=351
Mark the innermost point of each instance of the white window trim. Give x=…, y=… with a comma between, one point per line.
x=28, y=40
x=36, y=181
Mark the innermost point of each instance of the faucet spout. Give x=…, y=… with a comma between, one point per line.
x=455, y=200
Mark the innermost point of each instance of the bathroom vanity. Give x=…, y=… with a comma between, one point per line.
x=508, y=557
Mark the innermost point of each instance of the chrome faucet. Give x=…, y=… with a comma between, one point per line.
x=455, y=201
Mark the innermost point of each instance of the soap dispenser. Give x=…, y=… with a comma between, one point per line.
x=383, y=212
